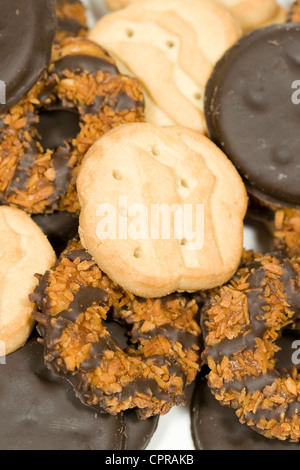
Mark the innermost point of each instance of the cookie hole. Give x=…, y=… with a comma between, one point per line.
x=197, y=96
x=155, y=151
x=170, y=44
x=117, y=175
x=184, y=183
x=138, y=253
x=129, y=33
x=184, y=242
x=56, y=126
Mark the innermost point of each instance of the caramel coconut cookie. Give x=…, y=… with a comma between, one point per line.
x=162, y=209
x=24, y=251
x=71, y=19
x=240, y=327
x=294, y=12
x=171, y=47
x=287, y=231
x=248, y=108
x=27, y=34
x=45, y=136
x=75, y=300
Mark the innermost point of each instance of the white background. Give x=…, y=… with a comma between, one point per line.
x=173, y=432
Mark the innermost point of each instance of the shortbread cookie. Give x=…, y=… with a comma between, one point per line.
x=171, y=47
x=250, y=14
x=178, y=204
x=24, y=252
x=117, y=4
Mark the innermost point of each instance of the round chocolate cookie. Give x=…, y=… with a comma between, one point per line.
x=59, y=227
x=216, y=427
x=27, y=32
x=252, y=111
x=40, y=412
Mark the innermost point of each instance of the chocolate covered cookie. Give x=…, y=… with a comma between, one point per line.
x=76, y=307
x=27, y=33
x=252, y=116
x=40, y=412
x=45, y=136
x=71, y=19
x=216, y=427
x=241, y=325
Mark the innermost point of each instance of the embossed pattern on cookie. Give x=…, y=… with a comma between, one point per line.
x=156, y=181
x=171, y=47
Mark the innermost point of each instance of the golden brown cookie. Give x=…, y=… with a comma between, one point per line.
x=162, y=209
x=171, y=47
x=24, y=252
x=250, y=14
x=117, y=4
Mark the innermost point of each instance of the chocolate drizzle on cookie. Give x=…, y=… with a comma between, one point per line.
x=243, y=369
x=154, y=376
x=80, y=97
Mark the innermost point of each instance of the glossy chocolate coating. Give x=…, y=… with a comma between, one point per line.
x=251, y=116
x=40, y=412
x=216, y=427
x=27, y=30
x=59, y=227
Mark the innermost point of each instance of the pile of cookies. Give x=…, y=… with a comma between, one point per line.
x=131, y=154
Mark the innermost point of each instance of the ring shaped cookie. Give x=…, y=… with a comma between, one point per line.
x=45, y=136
x=294, y=12
x=240, y=326
x=162, y=209
x=24, y=251
x=171, y=47
x=71, y=19
x=287, y=231
x=74, y=302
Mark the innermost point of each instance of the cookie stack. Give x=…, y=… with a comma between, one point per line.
x=126, y=172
